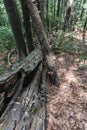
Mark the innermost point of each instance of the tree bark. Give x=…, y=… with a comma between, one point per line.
x=16, y=118
x=38, y=26
x=42, y=38
x=58, y=7
x=82, y=11
x=13, y=83
x=43, y=10
x=68, y=12
x=27, y=65
x=14, y=19
x=47, y=17
x=84, y=30
x=27, y=25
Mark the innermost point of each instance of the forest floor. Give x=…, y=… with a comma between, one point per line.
x=7, y=59
x=66, y=106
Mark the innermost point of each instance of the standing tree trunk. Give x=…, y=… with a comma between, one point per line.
x=54, y=8
x=84, y=29
x=43, y=10
x=38, y=25
x=47, y=17
x=27, y=25
x=68, y=12
x=58, y=7
x=82, y=11
x=42, y=6
x=14, y=19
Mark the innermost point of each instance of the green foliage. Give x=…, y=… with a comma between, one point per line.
x=3, y=15
x=6, y=38
x=82, y=57
x=60, y=39
x=78, y=13
x=82, y=67
x=64, y=44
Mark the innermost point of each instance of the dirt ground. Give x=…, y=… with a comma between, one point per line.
x=66, y=106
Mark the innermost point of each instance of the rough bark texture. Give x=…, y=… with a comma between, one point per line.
x=39, y=121
x=84, y=30
x=27, y=65
x=68, y=12
x=38, y=26
x=14, y=19
x=12, y=84
x=43, y=10
x=28, y=111
x=27, y=25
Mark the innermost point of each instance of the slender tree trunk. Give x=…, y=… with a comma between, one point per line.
x=62, y=8
x=27, y=25
x=54, y=8
x=68, y=12
x=82, y=12
x=47, y=17
x=14, y=19
x=58, y=7
x=84, y=29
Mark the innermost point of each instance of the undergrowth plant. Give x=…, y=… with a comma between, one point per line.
x=6, y=38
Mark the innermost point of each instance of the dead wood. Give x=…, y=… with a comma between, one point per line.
x=21, y=112
x=2, y=97
x=18, y=90
x=7, y=80
x=60, y=50
x=13, y=83
x=39, y=120
x=10, y=55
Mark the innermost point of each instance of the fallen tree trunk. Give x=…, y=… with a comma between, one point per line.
x=12, y=83
x=39, y=120
x=7, y=80
x=23, y=112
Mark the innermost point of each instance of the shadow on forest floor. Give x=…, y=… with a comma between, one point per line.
x=67, y=103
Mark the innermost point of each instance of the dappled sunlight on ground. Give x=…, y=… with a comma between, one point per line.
x=70, y=77
x=67, y=103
